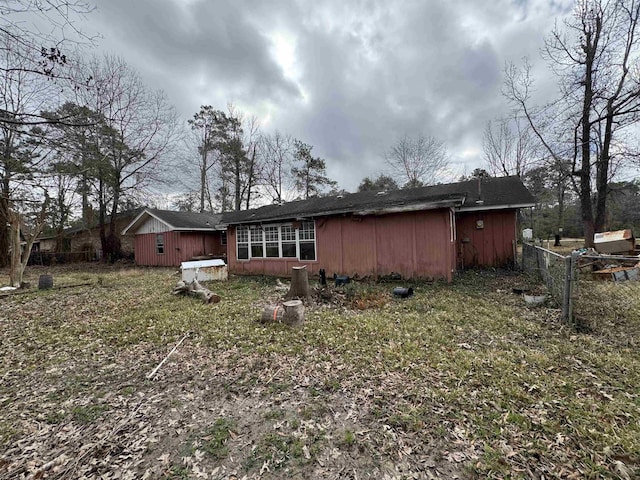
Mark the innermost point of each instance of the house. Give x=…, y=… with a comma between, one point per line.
x=82, y=242
x=427, y=232
x=86, y=239
x=167, y=238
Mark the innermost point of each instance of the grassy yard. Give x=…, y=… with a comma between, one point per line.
x=458, y=381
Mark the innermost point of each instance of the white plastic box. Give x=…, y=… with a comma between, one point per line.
x=204, y=270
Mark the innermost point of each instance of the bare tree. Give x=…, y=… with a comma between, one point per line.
x=417, y=160
x=37, y=53
x=205, y=141
x=509, y=147
x=20, y=93
x=27, y=225
x=277, y=153
x=137, y=129
x=594, y=57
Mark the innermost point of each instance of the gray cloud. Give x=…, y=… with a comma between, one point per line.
x=360, y=75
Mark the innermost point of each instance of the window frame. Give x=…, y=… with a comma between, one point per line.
x=160, y=244
x=262, y=242
x=246, y=243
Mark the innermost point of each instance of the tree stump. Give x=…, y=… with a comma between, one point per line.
x=293, y=313
x=272, y=313
x=299, y=284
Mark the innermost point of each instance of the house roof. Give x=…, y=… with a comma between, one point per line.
x=476, y=194
x=184, y=221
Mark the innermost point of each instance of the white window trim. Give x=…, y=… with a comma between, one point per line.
x=248, y=243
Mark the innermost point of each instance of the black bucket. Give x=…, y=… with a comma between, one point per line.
x=403, y=292
x=45, y=282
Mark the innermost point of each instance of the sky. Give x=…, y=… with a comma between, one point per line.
x=348, y=77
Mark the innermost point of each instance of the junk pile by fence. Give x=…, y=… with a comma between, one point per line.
x=592, y=289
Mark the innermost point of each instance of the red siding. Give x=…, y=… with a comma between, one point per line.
x=491, y=246
x=415, y=244
x=178, y=247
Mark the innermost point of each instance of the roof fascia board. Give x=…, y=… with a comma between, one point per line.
x=409, y=208
x=495, y=207
x=213, y=228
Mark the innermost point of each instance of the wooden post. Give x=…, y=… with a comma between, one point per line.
x=299, y=284
x=293, y=313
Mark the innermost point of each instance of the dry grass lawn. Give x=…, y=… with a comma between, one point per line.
x=458, y=381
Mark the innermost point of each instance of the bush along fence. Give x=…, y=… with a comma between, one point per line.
x=594, y=291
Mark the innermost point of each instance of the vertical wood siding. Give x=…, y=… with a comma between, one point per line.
x=153, y=225
x=415, y=244
x=491, y=246
x=178, y=247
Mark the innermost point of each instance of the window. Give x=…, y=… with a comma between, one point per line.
x=223, y=238
x=307, y=236
x=272, y=246
x=276, y=241
x=257, y=238
x=288, y=241
x=242, y=240
x=160, y=243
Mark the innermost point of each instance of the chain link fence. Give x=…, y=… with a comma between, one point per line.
x=50, y=258
x=597, y=293
x=554, y=271
x=605, y=296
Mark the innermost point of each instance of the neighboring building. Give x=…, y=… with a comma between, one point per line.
x=167, y=238
x=82, y=243
x=87, y=239
x=44, y=244
x=426, y=232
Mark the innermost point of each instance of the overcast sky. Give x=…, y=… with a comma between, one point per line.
x=348, y=77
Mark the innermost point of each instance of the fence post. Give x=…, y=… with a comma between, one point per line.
x=569, y=279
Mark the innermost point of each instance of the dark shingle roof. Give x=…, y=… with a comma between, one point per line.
x=501, y=192
x=186, y=220
x=177, y=220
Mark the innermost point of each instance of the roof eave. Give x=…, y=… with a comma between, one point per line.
x=510, y=206
x=213, y=228
x=360, y=212
x=411, y=208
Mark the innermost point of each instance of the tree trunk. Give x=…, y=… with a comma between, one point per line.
x=203, y=179
x=5, y=233
x=15, y=269
x=196, y=290
x=602, y=173
x=293, y=313
x=19, y=257
x=299, y=284
x=590, y=48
